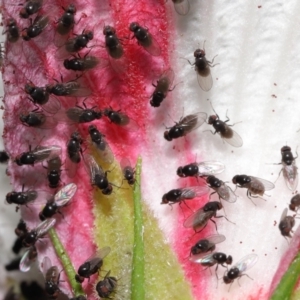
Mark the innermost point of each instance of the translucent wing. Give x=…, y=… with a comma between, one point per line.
x=43, y=153
x=153, y=48
x=92, y=167
x=104, y=151
x=169, y=75
x=198, y=220
x=60, y=40
x=128, y=122
x=44, y=227
x=28, y=257
x=235, y=140
x=246, y=262
x=215, y=238
x=267, y=184
x=75, y=90
x=205, y=82
x=98, y=256
x=64, y=195
x=283, y=215
x=182, y=7
x=46, y=265
x=74, y=114
x=52, y=106
x=71, y=168
x=50, y=122
x=194, y=192
x=200, y=259
x=207, y=168
x=290, y=174
x=226, y=193
x=125, y=162
x=192, y=122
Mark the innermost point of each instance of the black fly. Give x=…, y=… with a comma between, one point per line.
x=36, y=28
x=13, y=32
x=30, y=7
x=200, y=169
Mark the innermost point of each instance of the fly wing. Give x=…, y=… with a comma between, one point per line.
x=205, y=82
x=52, y=106
x=104, y=151
x=75, y=90
x=44, y=227
x=267, y=184
x=64, y=195
x=170, y=75
x=246, y=262
x=208, y=168
x=43, y=153
x=194, y=192
x=290, y=175
x=200, y=259
x=98, y=256
x=92, y=167
x=283, y=215
x=182, y=7
x=235, y=140
x=74, y=114
x=71, y=168
x=50, y=122
x=226, y=193
x=28, y=257
x=128, y=122
x=125, y=162
x=46, y=265
x=192, y=122
x=153, y=48
x=197, y=218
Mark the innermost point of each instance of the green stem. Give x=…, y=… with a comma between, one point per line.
x=288, y=281
x=138, y=260
x=66, y=262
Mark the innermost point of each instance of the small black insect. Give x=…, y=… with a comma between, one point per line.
x=36, y=28
x=225, y=131
x=239, y=268
x=145, y=39
x=182, y=7
x=4, y=157
x=106, y=286
x=254, y=185
x=200, y=169
x=202, y=67
x=37, y=155
x=60, y=199
x=37, y=119
x=207, y=244
x=81, y=64
x=54, y=172
x=162, y=88
x=209, y=260
x=68, y=89
x=32, y=236
x=92, y=265
x=223, y=190
x=295, y=202
x=185, y=126
x=183, y=194
x=83, y=115
x=66, y=21
x=101, y=145
x=128, y=171
x=200, y=218
x=98, y=176
x=13, y=32
x=39, y=95
x=22, y=198
x=30, y=7
x=286, y=224
x=79, y=42
x=52, y=275
x=112, y=42
x=289, y=168
x=74, y=147
x=119, y=118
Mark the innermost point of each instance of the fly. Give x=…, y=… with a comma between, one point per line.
x=112, y=43
x=13, y=32
x=36, y=28
x=207, y=244
x=106, y=286
x=83, y=115
x=239, y=268
x=200, y=218
x=82, y=64
x=92, y=265
x=52, y=275
x=200, y=169
x=185, y=126
x=54, y=172
x=162, y=88
x=145, y=39
x=60, y=199
x=37, y=155
x=37, y=119
x=66, y=21
x=100, y=144
x=128, y=171
x=295, y=202
x=40, y=231
x=30, y=8
x=98, y=176
x=182, y=7
x=286, y=224
x=254, y=185
x=223, y=190
x=73, y=151
x=68, y=89
x=183, y=194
